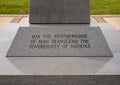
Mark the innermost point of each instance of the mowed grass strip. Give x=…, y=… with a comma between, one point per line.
x=14, y=6
x=105, y=6
x=96, y=6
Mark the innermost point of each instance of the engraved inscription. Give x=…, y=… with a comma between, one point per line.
x=59, y=41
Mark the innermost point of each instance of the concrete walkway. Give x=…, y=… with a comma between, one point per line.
x=5, y=19
x=114, y=20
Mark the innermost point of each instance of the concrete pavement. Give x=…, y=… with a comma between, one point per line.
x=5, y=19
x=114, y=20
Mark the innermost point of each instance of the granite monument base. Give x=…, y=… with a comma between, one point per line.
x=60, y=80
x=60, y=40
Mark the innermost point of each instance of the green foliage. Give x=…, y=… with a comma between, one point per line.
x=97, y=6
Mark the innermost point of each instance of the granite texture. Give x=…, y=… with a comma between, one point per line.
x=60, y=80
x=26, y=44
x=59, y=11
x=58, y=65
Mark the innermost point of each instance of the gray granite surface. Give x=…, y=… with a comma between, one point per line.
x=59, y=65
x=112, y=36
x=59, y=41
x=59, y=11
x=60, y=80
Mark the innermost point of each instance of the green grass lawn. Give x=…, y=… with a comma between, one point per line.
x=14, y=6
x=97, y=6
x=105, y=6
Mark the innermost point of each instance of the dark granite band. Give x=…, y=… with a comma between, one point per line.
x=60, y=80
